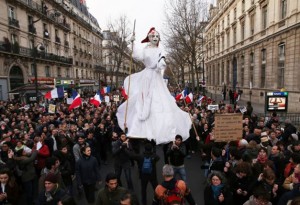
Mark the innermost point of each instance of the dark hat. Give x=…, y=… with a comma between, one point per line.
x=51, y=178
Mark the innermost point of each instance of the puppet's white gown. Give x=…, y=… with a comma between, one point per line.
x=152, y=111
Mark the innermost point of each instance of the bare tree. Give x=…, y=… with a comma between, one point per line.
x=120, y=32
x=184, y=34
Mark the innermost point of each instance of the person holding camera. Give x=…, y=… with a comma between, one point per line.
x=177, y=152
x=121, y=149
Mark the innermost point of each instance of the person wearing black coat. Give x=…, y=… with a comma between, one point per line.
x=66, y=167
x=53, y=193
x=217, y=192
x=122, y=149
x=87, y=173
x=147, y=177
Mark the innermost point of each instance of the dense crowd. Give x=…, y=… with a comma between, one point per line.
x=45, y=155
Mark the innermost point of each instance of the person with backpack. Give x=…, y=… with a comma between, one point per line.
x=171, y=190
x=147, y=168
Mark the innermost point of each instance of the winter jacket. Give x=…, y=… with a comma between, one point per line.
x=177, y=155
x=44, y=173
x=110, y=197
x=87, y=171
x=26, y=165
x=56, y=196
x=43, y=154
x=121, y=153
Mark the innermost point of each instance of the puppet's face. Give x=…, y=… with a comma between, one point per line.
x=154, y=38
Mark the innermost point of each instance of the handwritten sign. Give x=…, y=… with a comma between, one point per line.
x=51, y=108
x=228, y=127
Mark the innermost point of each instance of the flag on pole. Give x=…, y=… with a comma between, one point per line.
x=55, y=93
x=105, y=90
x=76, y=100
x=199, y=101
x=181, y=95
x=96, y=100
x=189, y=98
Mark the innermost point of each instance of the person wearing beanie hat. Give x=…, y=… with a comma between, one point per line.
x=152, y=112
x=52, y=193
x=51, y=178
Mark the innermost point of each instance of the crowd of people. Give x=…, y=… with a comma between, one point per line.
x=52, y=157
x=44, y=156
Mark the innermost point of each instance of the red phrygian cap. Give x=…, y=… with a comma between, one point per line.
x=146, y=40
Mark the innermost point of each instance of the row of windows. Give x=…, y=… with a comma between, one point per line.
x=47, y=31
x=215, y=75
x=264, y=16
x=86, y=73
x=220, y=43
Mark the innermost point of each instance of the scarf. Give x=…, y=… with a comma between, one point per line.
x=217, y=190
x=262, y=160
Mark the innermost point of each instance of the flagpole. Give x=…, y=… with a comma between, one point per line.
x=185, y=104
x=130, y=68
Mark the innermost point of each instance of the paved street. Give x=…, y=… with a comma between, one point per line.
x=195, y=178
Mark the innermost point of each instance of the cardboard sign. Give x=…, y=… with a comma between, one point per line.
x=116, y=98
x=228, y=127
x=51, y=108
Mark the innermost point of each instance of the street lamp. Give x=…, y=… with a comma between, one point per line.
x=39, y=47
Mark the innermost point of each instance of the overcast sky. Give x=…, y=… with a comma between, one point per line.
x=148, y=13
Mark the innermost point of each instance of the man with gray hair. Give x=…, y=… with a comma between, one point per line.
x=171, y=190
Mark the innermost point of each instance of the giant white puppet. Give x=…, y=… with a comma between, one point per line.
x=152, y=112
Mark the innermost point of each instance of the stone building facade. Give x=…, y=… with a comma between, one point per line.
x=61, y=37
x=254, y=46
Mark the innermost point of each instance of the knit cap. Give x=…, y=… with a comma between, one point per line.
x=51, y=178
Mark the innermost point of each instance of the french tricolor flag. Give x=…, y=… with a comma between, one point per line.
x=96, y=100
x=189, y=98
x=55, y=93
x=105, y=90
x=181, y=95
x=76, y=100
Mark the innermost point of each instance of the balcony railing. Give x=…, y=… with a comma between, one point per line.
x=51, y=15
x=13, y=22
x=27, y=52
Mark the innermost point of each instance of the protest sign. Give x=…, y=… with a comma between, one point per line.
x=228, y=127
